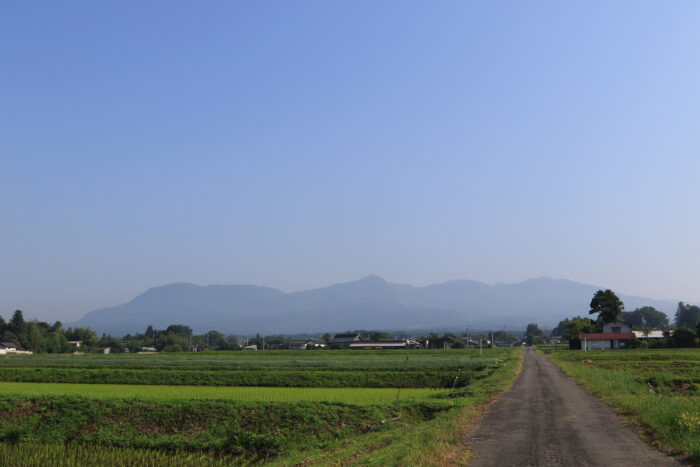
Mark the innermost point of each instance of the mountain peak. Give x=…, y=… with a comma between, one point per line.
x=373, y=278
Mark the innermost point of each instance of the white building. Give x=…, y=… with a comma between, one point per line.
x=655, y=334
x=7, y=347
x=614, y=336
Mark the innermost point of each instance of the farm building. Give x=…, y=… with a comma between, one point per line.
x=345, y=339
x=297, y=345
x=388, y=344
x=614, y=336
x=7, y=347
x=316, y=344
x=441, y=343
x=655, y=334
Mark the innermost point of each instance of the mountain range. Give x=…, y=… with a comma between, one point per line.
x=369, y=303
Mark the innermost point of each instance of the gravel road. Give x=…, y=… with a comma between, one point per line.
x=547, y=420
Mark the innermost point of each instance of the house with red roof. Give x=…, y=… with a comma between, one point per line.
x=614, y=336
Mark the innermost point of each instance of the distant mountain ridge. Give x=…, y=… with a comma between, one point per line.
x=369, y=303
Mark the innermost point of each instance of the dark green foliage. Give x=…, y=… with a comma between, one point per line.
x=607, y=305
x=577, y=326
x=682, y=337
x=534, y=334
x=687, y=315
x=646, y=316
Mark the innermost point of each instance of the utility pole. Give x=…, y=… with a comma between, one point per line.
x=208, y=340
x=467, y=335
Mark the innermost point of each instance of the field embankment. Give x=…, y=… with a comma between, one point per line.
x=659, y=390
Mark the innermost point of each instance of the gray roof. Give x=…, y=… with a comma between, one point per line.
x=347, y=337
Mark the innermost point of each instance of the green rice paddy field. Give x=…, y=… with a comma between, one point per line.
x=658, y=390
x=218, y=408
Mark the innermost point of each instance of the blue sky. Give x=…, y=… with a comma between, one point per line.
x=298, y=144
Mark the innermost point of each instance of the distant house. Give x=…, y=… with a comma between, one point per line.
x=297, y=345
x=316, y=344
x=614, y=336
x=7, y=347
x=345, y=339
x=441, y=343
x=387, y=344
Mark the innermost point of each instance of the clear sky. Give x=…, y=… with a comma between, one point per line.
x=299, y=144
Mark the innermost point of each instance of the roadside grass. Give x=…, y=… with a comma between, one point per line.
x=668, y=413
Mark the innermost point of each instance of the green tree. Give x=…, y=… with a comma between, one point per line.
x=646, y=316
x=16, y=324
x=34, y=336
x=687, y=315
x=683, y=337
x=534, y=334
x=379, y=336
x=607, y=305
x=576, y=326
x=560, y=329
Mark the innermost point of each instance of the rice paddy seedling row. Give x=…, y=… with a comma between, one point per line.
x=270, y=378
x=358, y=396
x=316, y=416
x=658, y=388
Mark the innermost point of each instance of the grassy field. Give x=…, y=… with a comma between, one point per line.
x=658, y=389
x=323, y=406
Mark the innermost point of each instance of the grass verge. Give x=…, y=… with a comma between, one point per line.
x=670, y=420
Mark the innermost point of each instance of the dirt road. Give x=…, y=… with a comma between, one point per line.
x=547, y=420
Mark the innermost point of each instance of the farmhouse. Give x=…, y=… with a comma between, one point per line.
x=614, y=336
x=297, y=345
x=345, y=339
x=316, y=344
x=441, y=343
x=388, y=344
x=7, y=347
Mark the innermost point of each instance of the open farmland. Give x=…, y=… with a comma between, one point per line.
x=326, y=405
x=426, y=369
x=658, y=389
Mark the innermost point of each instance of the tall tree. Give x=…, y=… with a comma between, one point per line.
x=34, y=336
x=687, y=315
x=646, y=316
x=16, y=324
x=607, y=305
x=577, y=326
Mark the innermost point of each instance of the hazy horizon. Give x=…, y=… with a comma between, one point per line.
x=298, y=145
